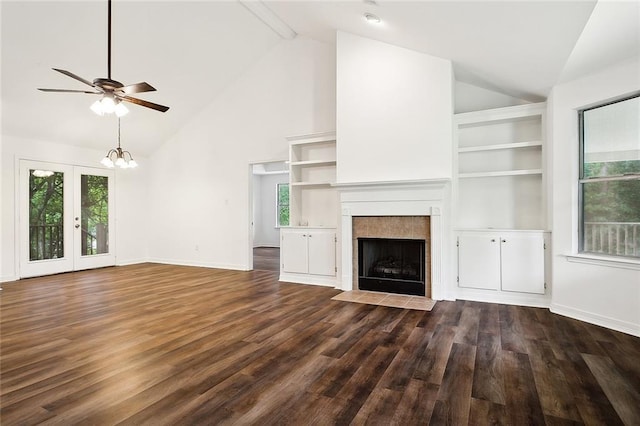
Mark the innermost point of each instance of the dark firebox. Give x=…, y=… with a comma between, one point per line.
x=391, y=265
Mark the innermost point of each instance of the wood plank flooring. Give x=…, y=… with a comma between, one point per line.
x=167, y=345
x=266, y=259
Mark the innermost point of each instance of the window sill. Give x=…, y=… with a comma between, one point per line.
x=612, y=262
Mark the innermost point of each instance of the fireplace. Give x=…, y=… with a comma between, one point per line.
x=397, y=210
x=391, y=265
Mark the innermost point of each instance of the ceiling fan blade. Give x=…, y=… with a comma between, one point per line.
x=72, y=75
x=70, y=91
x=137, y=88
x=147, y=104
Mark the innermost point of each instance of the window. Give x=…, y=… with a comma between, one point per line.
x=610, y=178
x=282, y=208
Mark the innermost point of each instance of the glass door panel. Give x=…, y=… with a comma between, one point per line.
x=46, y=214
x=94, y=215
x=46, y=230
x=93, y=223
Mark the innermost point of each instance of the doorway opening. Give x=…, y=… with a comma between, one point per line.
x=269, y=210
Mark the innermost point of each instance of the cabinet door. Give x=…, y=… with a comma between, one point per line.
x=293, y=252
x=479, y=261
x=322, y=253
x=523, y=263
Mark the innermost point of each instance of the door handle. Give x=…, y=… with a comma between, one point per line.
x=77, y=225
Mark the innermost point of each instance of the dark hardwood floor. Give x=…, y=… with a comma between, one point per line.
x=266, y=259
x=160, y=344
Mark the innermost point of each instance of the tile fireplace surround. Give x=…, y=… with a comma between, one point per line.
x=397, y=209
x=403, y=227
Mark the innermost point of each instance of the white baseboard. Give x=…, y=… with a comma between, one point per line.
x=326, y=281
x=520, y=299
x=131, y=262
x=198, y=264
x=8, y=278
x=611, y=323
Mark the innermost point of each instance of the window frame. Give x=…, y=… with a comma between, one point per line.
x=582, y=181
x=278, y=205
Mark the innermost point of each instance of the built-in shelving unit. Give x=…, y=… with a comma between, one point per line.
x=308, y=245
x=499, y=163
x=312, y=171
x=500, y=205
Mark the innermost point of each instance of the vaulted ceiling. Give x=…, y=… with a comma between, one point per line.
x=191, y=51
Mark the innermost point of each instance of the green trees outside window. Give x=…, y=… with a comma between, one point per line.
x=283, y=204
x=46, y=213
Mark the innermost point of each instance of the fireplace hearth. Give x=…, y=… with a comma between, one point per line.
x=391, y=265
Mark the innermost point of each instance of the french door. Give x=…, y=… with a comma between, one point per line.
x=66, y=218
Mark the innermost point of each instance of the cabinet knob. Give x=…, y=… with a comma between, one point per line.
x=493, y=240
x=504, y=241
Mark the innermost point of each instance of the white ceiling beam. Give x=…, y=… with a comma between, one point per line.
x=266, y=15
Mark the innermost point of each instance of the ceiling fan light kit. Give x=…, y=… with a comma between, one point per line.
x=107, y=105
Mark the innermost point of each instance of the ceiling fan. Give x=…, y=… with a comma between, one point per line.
x=113, y=91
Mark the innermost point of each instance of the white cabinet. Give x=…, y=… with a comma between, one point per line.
x=522, y=262
x=294, y=252
x=503, y=261
x=479, y=261
x=308, y=255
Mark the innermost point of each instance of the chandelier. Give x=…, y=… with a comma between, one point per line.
x=118, y=157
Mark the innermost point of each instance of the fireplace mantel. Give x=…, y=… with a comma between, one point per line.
x=343, y=186
x=429, y=197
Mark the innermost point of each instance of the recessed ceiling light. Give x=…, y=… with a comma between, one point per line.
x=371, y=18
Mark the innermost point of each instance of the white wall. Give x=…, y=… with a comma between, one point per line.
x=130, y=198
x=473, y=98
x=596, y=293
x=266, y=233
x=394, y=109
x=199, y=183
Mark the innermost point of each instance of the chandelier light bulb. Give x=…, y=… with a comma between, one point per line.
x=106, y=161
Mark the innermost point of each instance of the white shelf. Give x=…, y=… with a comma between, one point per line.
x=500, y=114
x=313, y=163
x=501, y=173
x=315, y=138
x=311, y=184
x=500, y=146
